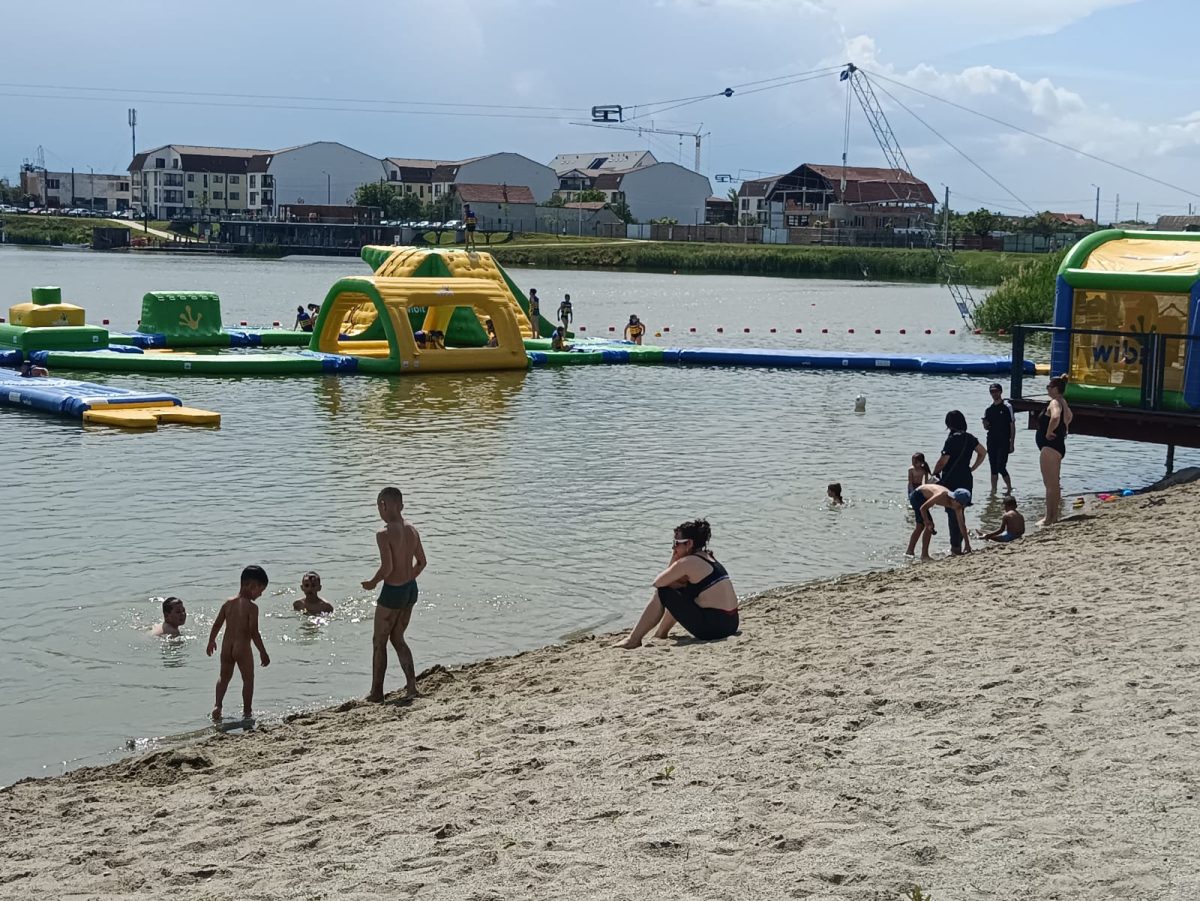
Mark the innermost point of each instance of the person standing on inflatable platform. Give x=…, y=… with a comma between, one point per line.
x=472, y=223
x=565, y=312
x=535, y=312
x=401, y=560
x=634, y=330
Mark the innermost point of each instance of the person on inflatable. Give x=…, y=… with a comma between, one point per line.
x=304, y=320
x=634, y=330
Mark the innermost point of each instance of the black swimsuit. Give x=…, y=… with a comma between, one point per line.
x=705, y=623
x=1059, y=441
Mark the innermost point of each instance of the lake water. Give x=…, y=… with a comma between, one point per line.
x=545, y=499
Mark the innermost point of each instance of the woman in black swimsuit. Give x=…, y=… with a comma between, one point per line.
x=694, y=590
x=1051, y=438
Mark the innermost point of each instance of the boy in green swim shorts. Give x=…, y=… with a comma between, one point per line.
x=401, y=560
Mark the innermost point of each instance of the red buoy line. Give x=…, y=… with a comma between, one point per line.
x=720, y=330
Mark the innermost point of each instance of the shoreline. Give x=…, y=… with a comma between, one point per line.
x=982, y=726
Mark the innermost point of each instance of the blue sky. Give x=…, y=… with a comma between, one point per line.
x=1113, y=77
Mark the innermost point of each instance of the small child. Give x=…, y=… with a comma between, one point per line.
x=558, y=338
x=239, y=616
x=1012, y=524
x=312, y=603
x=834, y=493
x=918, y=473
x=634, y=329
x=493, y=339
x=303, y=320
x=566, y=312
x=401, y=560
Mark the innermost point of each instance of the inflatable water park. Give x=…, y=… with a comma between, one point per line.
x=1116, y=291
x=376, y=325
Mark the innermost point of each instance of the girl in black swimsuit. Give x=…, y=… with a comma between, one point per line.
x=694, y=573
x=1051, y=439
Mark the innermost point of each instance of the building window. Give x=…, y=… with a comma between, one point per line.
x=746, y=204
x=52, y=184
x=160, y=163
x=235, y=195
x=218, y=195
x=253, y=197
x=191, y=195
x=254, y=181
x=437, y=190
x=235, y=179
x=122, y=186
x=392, y=175
x=218, y=179
x=191, y=176
x=174, y=164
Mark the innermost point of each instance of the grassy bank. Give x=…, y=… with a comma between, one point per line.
x=20, y=229
x=1026, y=295
x=885, y=264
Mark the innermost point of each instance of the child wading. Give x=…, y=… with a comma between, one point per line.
x=401, y=560
x=239, y=616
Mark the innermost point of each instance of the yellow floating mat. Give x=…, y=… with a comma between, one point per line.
x=148, y=416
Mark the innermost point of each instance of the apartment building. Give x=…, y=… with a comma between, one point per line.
x=651, y=190
x=431, y=179
x=321, y=172
x=77, y=190
x=181, y=179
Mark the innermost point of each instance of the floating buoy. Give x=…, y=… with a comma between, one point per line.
x=243, y=322
x=1000, y=331
x=658, y=334
x=850, y=331
x=275, y=324
x=583, y=328
x=746, y=330
x=666, y=328
x=720, y=330
x=102, y=321
x=953, y=332
x=692, y=329
x=772, y=331
x=799, y=331
x=1078, y=503
x=929, y=331
x=877, y=331
x=860, y=404
x=903, y=332
x=612, y=328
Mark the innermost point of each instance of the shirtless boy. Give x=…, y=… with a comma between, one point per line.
x=174, y=616
x=401, y=560
x=923, y=500
x=312, y=603
x=239, y=616
x=1012, y=524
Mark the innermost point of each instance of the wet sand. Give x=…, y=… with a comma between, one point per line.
x=1023, y=722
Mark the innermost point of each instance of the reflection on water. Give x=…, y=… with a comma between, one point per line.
x=545, y=499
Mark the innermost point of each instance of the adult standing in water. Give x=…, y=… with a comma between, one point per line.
x=535, y=312
x=1051, y=438
x=1000, y=423
x=955, y=469
x=694, y=590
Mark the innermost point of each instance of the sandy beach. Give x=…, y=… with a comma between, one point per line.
x=1019, y=723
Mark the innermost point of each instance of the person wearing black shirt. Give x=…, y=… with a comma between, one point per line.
x=954, y=468
x=1000, y=423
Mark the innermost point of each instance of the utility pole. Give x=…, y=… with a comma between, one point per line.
x=946, y=218
x=1137, y=212
x=1117, y=210
x=1097, y=187
x=133, y=130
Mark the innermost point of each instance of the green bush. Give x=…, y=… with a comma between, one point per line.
x=1026, y=296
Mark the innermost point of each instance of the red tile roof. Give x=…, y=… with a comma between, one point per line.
x=469, y=193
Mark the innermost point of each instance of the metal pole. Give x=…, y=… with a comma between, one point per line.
x=1018, y=362
x=946, y=218
x=1097, y=206
x=697, y=151
x=1170, y=459
x=328, y=190
x=1117, y=210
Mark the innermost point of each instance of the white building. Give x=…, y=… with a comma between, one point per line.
x=431, y=179
x=603, y=161
x=651, y=189
x=322, y=172
x=177, y=180
x=77, y=190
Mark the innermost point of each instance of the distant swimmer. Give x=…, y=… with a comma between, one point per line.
x=566, y=313
x=401, y=561
x=239, y=616
x=694, y=591
x=634, y=330
x=1012, y=524
x=174, y=616
x=31, y=370
x=834, y=493
x=312, y=603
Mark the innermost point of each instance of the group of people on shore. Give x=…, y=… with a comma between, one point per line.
x=951, y=482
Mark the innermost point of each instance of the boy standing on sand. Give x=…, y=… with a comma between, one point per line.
x=239, y=616
x=401, y=560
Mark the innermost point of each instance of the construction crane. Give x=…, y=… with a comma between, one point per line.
x=950, y=273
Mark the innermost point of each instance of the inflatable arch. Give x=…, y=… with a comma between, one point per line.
x=1136, y=283
x=393, y=302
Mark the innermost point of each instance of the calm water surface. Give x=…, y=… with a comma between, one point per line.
x=545, y=499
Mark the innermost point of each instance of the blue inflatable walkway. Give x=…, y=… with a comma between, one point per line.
x=100, y=404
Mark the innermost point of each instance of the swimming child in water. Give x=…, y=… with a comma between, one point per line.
x=401, y=560
x=312, y=603
x=174, y=616
x=834, y=493
x=1012, y=524
x=239, y=616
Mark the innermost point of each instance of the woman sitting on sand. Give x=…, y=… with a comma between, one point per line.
x=694, y=590
x=1051, y=438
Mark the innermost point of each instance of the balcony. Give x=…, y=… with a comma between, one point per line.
x=171, y=180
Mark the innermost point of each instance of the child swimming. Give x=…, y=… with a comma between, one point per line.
x=834, y=493
x=239, y=616
x=312, y=603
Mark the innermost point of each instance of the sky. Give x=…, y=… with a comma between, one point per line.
x=454, y=79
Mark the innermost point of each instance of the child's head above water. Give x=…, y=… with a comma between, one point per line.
x=254, y=581
x=310, y=583
x=835, y=491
